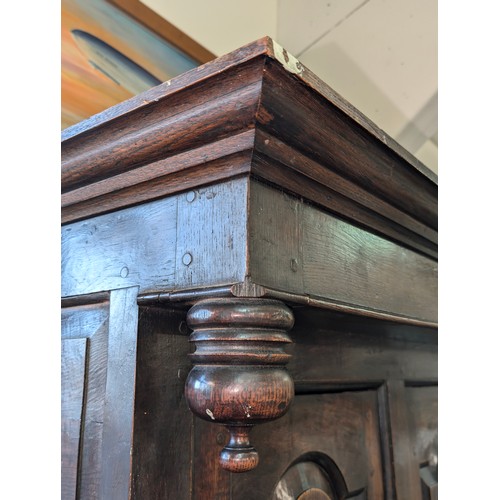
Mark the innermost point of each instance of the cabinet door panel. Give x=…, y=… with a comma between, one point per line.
x=97, y=389
x=422, y=420
x=333, y=435
x=73, y=356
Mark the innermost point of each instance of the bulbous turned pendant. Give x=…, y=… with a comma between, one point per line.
x=239, y=378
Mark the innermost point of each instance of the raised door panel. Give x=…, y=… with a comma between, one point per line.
x=73, y=363
x=412, y=414
x=97, y=388
x=422, y=419
x=326, y=445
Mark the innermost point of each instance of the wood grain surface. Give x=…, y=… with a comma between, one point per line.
x=89, y=323
x=163, y=425
x=73, y=358
x=352, y=442
x=99, y=337
x=247, y=114
x=249, y=189
x=239, y=377
x=188, y=240
x=227, y=233
x=299, y=248
x=343, y=197
x=221, y=106
x=327, y=135
x=332, y=350
x=120, y=394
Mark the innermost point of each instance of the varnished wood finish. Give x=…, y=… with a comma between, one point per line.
x=350, y=153
x=299, y=248
x=167, y=126
x=244, y=233
x=146, y=245
x=422, y=414
x=337, y=356
x=341, y=427
x=163, y=424
x=210, y=480
x=162, y=178
x=251, y=89
x=81, y=323
x=239, y=378
x=315, y=182
x=99, y=345
x=120, y=391
x=350, y=352
x=73, y=360
x=225, y=206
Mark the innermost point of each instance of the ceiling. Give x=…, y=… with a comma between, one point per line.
x=380, y=55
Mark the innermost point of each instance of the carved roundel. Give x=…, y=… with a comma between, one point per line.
x=313, y=476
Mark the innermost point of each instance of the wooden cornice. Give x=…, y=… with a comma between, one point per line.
x=256, y=112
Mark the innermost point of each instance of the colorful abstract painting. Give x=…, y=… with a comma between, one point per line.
x=108, y=57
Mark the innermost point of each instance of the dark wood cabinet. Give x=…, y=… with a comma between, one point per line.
x=249, y=283
x=99, y=337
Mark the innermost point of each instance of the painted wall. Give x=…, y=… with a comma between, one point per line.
x=220, y=25
x=380, y=55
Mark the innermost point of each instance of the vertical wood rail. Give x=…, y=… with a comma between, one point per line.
x=239, y=378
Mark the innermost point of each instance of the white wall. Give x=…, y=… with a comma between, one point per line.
x=220, y=25
x=380, y=55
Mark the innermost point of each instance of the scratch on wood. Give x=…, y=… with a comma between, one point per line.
x=289, y=62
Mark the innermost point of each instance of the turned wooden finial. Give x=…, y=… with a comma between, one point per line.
x=239, y=378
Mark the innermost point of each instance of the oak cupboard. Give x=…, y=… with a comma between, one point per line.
x=249, y=294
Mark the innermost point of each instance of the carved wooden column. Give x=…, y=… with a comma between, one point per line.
x=239, y=378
